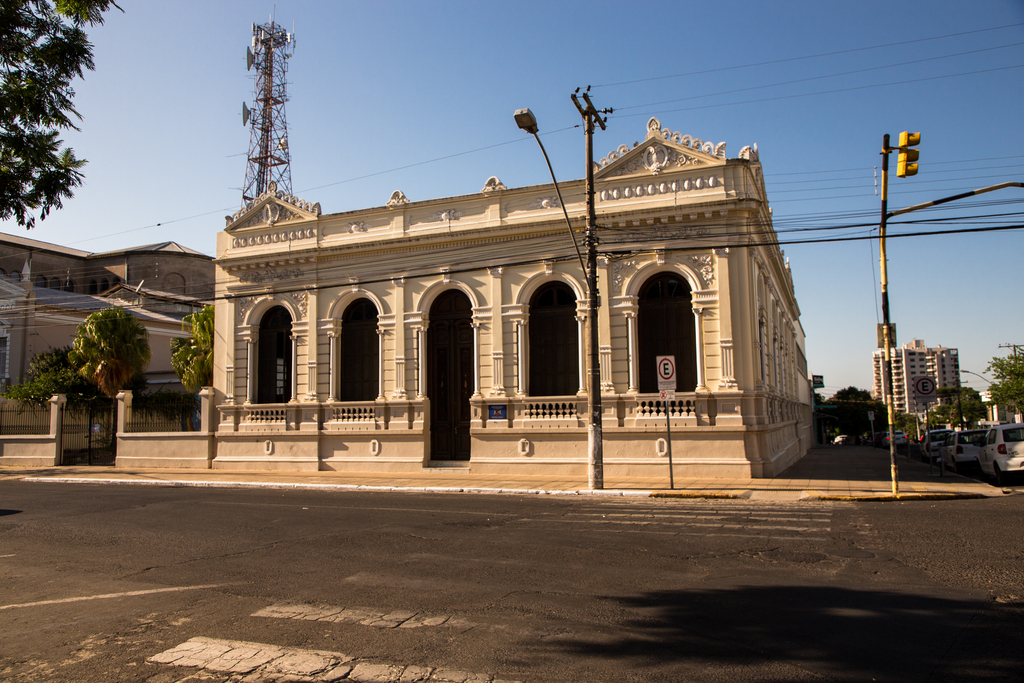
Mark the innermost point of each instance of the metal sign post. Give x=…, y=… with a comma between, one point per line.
x=667, y=392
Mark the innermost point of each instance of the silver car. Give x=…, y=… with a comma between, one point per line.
x=960, y=449
x=1003, y=452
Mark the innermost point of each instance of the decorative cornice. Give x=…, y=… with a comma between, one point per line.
x=656, y=158
x=493, y=185
x=398, y=198
x=274, y=212
x=447, y=215
x=285, y=236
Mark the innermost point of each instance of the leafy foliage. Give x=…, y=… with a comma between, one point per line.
x=950, y=408
x=851, y=412
x=42, y=50
x=110, y=348
x=1008, y=387
x=192, y=358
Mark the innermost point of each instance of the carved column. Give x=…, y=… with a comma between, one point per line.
x=631, y=351
x=498, y=360
x=229, y=386
x=380, y=364
x=728, y=380
x=332, y=390
x=521, y=387
x=421, y=360
x=606, y=370
x=250, y=369
x=698, y=315
x=476, y=359
x=581, y=336
x=399, y=391
x=295, y=369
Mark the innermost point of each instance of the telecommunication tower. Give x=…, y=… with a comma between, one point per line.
x=268, y=159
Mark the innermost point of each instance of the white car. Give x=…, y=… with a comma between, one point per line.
x=1003, y=452
x=960, y=449
x=933, y=441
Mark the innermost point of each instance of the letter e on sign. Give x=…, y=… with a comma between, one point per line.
x=666, y=373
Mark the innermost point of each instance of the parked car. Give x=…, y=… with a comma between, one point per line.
x=960, y=449
x=882, y=440
x=1003, y=452
x=843, y=440
x=932, y=443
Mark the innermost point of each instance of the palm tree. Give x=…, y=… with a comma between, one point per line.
x=110, y=348
x=192, y=357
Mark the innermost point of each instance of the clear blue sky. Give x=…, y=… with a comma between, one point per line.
x=419, y=96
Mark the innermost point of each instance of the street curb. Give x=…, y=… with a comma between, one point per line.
x=695, y=494
x=603, y=493
x=178, y=483
x=905, y=496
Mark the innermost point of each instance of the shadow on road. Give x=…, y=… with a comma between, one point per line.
x=799, y=633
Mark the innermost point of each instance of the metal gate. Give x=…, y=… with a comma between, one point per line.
x=89, y=433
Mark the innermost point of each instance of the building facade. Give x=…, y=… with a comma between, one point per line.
x=913, y=360
x=450, y=332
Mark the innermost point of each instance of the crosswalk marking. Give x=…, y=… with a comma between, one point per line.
x=261, y=661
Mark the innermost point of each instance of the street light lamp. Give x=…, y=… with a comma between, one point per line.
x=595, y=441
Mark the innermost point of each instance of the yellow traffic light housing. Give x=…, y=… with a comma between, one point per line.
x=904, y=165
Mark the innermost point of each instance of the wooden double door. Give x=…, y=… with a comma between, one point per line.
x=450, y=375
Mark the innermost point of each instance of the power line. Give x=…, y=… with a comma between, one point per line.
x=805, y=57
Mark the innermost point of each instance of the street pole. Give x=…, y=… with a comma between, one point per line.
x=886, y=329
x=595, y=435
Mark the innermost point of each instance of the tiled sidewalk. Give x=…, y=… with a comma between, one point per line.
x=831, y=472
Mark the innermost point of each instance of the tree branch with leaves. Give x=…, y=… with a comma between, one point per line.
x=43, y=49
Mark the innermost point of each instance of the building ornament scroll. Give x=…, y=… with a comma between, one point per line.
x=493, y=185
x=300, y=300
x=545, y=203
x=619, y=272
x=243, y=305
x=703, y=264
x=447, y=215
x=398, y=198
x=271, y=274
x=276, y=212
x=358, y=226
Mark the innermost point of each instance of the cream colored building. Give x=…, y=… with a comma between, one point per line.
x=450, y=332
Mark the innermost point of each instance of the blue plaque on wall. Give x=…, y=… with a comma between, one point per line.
x=497, y=412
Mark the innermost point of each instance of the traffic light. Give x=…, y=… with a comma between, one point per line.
x=904, y=165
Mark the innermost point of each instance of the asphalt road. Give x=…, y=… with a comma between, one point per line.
x=98, y=579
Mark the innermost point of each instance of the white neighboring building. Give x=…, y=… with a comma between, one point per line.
x=915, y=360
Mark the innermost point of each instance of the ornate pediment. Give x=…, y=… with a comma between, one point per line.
x=270, y=208
x=662, y=150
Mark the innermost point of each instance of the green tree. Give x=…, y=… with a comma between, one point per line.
x=52, y=372
x=1008, y=387
x=110, y=348
x=192, y=357
x=42, y=50
x=851, y=410
x=950, y=407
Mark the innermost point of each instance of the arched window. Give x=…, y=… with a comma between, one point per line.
x=274, y=365
x=173, y=283
x=554, y=342
x=54, y=283
x=104, y=284
x=666, y=328
x=41, y=281
x=15, y=275
x=94, y=287
x=69, y=286
x=360, y=361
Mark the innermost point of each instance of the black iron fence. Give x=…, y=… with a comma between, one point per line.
x=24, y=419
x=171, y=413
x=89, y=433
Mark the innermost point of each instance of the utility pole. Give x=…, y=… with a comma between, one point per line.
x=887, y=340
x=595, y=437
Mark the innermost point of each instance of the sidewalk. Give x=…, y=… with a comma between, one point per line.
x=825, y=473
